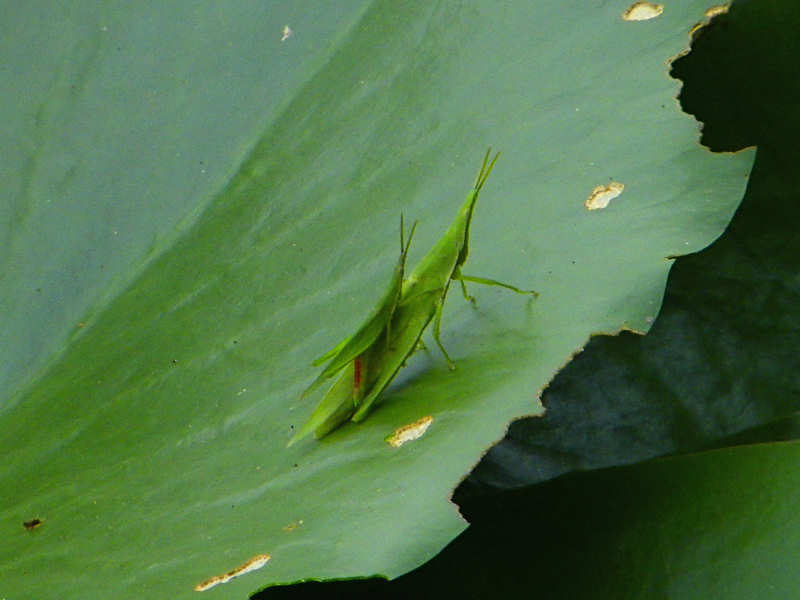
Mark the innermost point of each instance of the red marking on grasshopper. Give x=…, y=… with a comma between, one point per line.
x=357, y=372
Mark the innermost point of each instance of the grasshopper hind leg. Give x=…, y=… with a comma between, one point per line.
x=437, y=323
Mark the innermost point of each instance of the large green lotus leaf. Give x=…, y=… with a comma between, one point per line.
x=153, y=447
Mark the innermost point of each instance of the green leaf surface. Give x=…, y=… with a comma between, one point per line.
x=128, y=123
x=153, y=445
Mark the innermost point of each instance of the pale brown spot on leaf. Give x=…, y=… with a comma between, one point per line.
x=601, y=195
x=642, y=11
x=410, y=432
x=253, y=564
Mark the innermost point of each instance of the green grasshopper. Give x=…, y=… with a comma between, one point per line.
x=351, y=355
x=372, y=357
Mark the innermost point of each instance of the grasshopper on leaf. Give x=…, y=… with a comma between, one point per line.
x=372, y=357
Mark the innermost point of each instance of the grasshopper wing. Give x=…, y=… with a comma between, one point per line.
x=411, y=319
x=334, y=408
x=349, y=349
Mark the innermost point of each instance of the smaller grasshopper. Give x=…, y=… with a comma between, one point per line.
x=341, y=399
x=373, y=356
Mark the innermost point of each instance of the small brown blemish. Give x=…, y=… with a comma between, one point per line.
x=601, y=195
x=410, y=432
x=32, y=524
x=292, y=526
x=251, y=565
x=642, y=11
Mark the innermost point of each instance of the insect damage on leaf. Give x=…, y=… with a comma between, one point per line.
x=32, y=524
x=601, y=195
x=642, y=11
x=292, y=526
x=711, y=12
x=719, y=9
x=370, y=359
x=251, y=565
x=410, y=432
